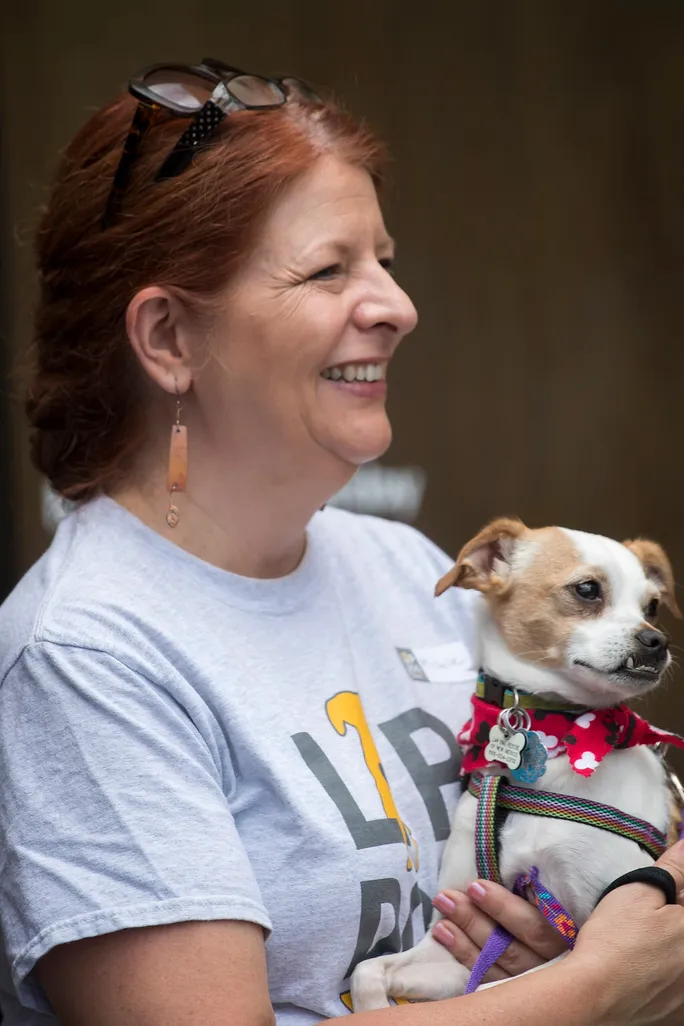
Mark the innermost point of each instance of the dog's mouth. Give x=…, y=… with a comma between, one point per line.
x=632, y=669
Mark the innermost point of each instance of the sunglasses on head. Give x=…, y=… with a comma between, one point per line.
x=207, y=93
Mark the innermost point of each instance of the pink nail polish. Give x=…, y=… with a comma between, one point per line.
x=442, y=934
x=444, y=904
x=477, y=891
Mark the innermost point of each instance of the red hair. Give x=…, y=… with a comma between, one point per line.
x=189, y=234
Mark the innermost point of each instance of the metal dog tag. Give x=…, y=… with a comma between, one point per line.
x=534, y=760
x=505, y=746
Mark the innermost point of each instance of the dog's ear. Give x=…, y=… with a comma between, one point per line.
x=658, y=569
x=481, y=563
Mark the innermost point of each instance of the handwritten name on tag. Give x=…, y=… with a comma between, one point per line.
x=443, y=664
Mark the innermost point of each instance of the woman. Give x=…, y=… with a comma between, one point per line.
x=227, y=767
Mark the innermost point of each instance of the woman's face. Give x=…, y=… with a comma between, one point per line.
x=306, y=330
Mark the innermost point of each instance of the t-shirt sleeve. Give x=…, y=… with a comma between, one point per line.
x=114, y=811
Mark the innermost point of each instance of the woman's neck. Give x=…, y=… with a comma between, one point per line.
x=245, y=523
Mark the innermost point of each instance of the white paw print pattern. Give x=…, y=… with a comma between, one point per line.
x=587, y=761
x=550, y=741
x=585, y=719
x=465, y=735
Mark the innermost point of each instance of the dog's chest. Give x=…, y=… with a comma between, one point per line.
x=576, y=862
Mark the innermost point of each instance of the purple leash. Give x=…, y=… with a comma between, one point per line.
x=495, y=946
x=500, y=938
x=527, y=885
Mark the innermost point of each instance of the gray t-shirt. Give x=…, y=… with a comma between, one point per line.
x=181, y=743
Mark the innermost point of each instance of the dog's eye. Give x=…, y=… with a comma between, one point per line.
x=588, y=591
x=652, y=609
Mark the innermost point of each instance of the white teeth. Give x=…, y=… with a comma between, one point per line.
x=641, y=667
x=355, y=372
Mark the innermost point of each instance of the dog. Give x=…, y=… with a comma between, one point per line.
x=571, y=619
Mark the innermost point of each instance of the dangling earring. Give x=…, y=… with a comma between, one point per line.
x=178, y=464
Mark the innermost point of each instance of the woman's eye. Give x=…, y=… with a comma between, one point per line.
x=388, y=264
x=588, y=591
x=652, y=609
x=325, y=273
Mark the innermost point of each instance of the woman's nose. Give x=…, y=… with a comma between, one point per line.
x=387, y=304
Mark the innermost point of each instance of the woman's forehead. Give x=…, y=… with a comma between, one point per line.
x=333, y=199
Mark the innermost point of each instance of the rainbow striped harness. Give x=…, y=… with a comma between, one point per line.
x=495, y=793
x=496, y=797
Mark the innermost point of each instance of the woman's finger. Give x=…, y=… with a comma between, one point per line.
x=463, y=949
x=518, y=916
x=477, y=926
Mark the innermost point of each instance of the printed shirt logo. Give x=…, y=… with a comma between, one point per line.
x=344, y=711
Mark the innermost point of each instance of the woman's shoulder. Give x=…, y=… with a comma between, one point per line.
x=91, y=579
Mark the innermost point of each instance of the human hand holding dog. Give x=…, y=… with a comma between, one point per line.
x=470, y=918
x=629, y=952
x=632, y=949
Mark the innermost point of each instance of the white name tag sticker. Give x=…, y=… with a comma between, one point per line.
x=440, y=664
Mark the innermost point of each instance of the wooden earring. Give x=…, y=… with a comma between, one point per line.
x=178, y=465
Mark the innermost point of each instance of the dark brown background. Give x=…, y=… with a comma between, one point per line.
x=538, y=203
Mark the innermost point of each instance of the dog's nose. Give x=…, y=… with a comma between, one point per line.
x=655, y=642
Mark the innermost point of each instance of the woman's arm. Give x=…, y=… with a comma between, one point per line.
x=214, y=974
x=627, y=969
x=186, y=974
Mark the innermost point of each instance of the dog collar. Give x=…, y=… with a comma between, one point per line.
x=494, y=691
x=586, y=737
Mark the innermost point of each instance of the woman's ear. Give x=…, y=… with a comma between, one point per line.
x=159, y=331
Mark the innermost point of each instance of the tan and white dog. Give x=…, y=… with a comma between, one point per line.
x=569, y=617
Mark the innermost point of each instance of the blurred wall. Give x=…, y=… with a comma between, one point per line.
x=538, y=203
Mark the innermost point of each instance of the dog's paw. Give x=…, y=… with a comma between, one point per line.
x=367, y=986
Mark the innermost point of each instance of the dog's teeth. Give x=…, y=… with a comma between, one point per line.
x=630, y=663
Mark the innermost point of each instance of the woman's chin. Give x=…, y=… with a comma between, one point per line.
x=357, y=448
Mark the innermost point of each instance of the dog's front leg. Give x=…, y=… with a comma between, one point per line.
x=427, y=972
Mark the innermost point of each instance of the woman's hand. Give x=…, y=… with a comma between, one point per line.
x=629, y=953
x=470, y=918
x=632, y=949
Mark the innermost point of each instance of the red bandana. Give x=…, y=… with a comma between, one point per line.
x=585, y=737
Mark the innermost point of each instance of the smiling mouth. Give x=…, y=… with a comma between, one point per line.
x=348, y=372
x=630, y=668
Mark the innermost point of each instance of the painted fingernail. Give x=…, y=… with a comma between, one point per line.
x=444, y=904
x=477, y=891
x=443, y=934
